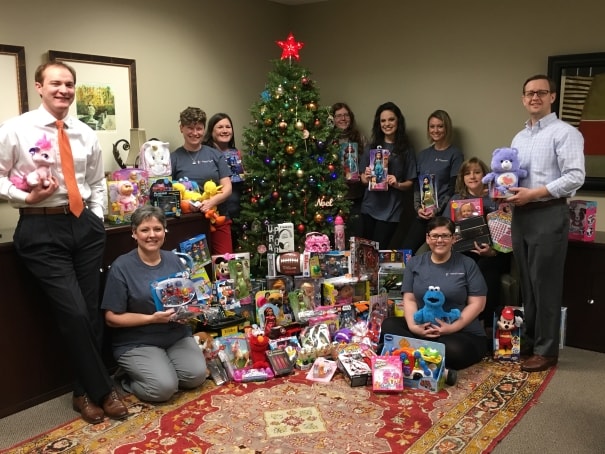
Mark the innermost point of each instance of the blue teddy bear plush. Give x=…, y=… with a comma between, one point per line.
x=505, y=173
x=433, y=308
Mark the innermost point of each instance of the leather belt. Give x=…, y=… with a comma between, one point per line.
x=63, y=209
x=542, y=204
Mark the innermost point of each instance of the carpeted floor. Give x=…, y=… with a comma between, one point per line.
x=294, y=415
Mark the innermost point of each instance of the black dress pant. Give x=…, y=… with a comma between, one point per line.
x=65, y=254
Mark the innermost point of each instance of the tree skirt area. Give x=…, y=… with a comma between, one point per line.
x=292, y=415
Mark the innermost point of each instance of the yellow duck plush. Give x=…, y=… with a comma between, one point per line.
x=211, y=189
x=190, y=200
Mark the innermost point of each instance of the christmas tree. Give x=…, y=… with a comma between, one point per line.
x=291, y=160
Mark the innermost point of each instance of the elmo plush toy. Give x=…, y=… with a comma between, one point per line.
x=259, y=343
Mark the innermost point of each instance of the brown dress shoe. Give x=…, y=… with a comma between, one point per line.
x=91, y=413
x=113, y=406
x=538, y=363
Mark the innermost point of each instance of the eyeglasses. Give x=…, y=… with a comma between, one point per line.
x=341, y=116
x=540, y=93
x=442, y=236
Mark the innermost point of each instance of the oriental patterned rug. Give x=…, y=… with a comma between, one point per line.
x=292, y=415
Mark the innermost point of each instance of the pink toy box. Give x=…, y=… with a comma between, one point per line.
x=387, y=374
x=427, y=371
x=582, y=220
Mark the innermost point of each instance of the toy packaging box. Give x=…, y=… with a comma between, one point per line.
x=236, y=352
x=379, y=163
x=349, y=155
x=355, y=365
x=582, y=220
x=220, y=264
x=197, y=249
x=365, y=260
x=469, y=231
x=390, y=280
x=169, y=201
x=395, y=257
x=176, y=292
x=466, y=208
x=344, y=290
x=499, y=225
x=387, y=375
x=124, y=198
x=239, y=273
x=322, y=370
x=280, y=237
x=422, y=370
x=428, y=192
x=136, y=176
x=234, y=159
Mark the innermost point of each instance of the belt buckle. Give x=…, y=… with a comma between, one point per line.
x=65, y=209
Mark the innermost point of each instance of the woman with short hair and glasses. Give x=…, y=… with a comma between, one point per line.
x=459, y=279
x=348, y=133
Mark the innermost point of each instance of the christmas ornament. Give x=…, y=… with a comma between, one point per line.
x=300, y=173
x=283, y=125
x=299, y=125
x=300, y=228
x=290, y=149
x=265, y=96
x=290, y=47
x=317, y=123
x=261, y=145
x=321, y=145
x=283, y=171
x=319, y=218
x=275, y=195
x=312, y=106
x=268, y=122
x=279, y=90
x=331, y=167
x=305, y=134
x=261, y=249
x=304, y=80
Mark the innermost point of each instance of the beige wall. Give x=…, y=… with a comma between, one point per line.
x=468, y=57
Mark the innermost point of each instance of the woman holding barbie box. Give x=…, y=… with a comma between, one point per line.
x=442, y=159
x=381, y=210
x=491, y=262
x=353, y=143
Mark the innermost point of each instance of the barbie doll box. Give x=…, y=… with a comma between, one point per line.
x=379, y=163
x=350, y=160
x=582, y=220
x=423, y=361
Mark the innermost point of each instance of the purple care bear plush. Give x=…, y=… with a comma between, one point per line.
x=505, y=172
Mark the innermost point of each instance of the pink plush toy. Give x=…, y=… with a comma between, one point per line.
x=43, y=158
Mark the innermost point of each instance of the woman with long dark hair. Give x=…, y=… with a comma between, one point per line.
x=381, y=210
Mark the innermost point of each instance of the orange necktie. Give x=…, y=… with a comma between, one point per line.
x=76, y=205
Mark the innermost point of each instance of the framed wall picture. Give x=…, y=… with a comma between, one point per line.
x=580, y=80
x=13, y=90
x=106, y=96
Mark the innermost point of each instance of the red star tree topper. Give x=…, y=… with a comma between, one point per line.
x=290, y=47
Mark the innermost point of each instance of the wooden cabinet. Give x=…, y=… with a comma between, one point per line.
x=584, y=294
x=35, y=368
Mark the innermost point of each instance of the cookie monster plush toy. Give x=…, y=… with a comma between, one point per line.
x=505, y=173
x=433, y=308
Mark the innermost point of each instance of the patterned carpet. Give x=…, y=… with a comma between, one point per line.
x=292, y=415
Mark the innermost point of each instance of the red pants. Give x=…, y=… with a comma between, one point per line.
x=220, y=239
